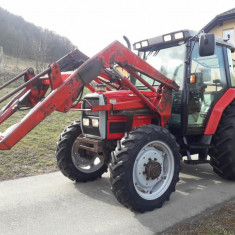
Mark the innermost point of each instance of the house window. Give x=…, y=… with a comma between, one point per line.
x=229, y=33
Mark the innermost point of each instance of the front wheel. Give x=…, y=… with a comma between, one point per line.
x=75, y=163
x=145, y=168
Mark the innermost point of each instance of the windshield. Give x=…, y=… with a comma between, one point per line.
x=169, y=61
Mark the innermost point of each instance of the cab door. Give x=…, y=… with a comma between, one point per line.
x=207, y=83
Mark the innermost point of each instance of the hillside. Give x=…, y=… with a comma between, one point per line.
x=24, y=40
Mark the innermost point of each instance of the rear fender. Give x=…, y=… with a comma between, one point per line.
x=218, y=110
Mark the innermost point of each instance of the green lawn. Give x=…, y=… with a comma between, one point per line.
x=34, y=154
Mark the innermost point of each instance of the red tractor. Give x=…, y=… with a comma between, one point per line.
x=175, y=98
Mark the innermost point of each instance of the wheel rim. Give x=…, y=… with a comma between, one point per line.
x=86, y=161
x=153, y=170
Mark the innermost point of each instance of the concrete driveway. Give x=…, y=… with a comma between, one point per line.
x=52, y=204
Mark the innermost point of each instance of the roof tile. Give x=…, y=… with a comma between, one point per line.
x=230, y=14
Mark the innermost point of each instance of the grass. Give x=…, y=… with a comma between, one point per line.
x=14, y=64
x=216, y=221
x=34, y=154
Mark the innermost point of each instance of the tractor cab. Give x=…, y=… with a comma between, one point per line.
x=201, y=64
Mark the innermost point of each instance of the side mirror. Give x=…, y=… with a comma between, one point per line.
x=207, y=44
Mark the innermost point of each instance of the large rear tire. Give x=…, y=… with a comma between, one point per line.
x=145, y=168
x=223, y=153
x=77, y=164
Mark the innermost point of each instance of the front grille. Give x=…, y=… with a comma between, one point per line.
x=90, y=131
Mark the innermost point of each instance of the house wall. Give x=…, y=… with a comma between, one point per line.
x=227, y=25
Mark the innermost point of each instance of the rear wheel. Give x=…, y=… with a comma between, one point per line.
x=145, y=168
x=223, y=153
x=75, y=163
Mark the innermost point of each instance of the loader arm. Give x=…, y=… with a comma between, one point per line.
x=65, y=90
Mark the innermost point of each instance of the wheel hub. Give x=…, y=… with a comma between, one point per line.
x=153, y=169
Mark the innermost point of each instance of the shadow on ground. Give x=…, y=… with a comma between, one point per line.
x=193, y=185
x=98, y=190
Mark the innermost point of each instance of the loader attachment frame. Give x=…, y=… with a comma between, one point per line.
x=65, y=90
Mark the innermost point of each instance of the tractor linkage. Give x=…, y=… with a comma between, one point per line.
x=66, y=86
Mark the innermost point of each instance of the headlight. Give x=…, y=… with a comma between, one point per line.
x=85, y=121
x=95, y=122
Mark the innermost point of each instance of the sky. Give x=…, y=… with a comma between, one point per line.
x=91, y=25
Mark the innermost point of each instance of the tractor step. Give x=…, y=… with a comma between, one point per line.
x=195, y=162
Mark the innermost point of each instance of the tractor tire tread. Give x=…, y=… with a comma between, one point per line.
x=63, y=156
x=121, y=164
x=223, y=153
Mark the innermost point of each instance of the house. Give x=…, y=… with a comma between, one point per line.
x=223, y=25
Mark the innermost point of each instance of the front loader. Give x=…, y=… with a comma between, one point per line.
x=175, y=98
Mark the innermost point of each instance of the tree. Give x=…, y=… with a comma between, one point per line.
x=22, y=39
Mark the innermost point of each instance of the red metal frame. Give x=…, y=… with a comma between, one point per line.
x=66, y=89
x=137, y=121
x=9, y=109
x=126, y=101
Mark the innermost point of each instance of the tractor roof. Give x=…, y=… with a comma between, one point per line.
x=172, y=39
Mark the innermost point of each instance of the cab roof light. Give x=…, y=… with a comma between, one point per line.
x=141, y=44
x=144, y=43
x=138, y=45
x=167, y=38
x=179, y=35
